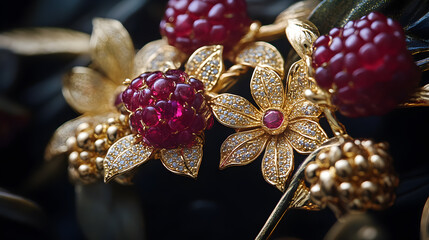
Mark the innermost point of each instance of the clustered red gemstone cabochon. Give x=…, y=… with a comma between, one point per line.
x=190, y=24
x=367, y=65
x=167, y=109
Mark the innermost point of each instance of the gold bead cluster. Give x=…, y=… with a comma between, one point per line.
x=354, y=176
x=89, y=147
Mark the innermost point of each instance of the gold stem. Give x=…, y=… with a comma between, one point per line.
x=287, y=200
x=337, y=128
x=229, y=78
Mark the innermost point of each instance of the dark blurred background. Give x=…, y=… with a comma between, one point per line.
x=229, y=204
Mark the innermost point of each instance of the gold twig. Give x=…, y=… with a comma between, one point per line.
x=292, y=192
x=419, y=99
x=230, y=77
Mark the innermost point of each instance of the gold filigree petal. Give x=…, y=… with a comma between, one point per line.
x=242, y=148
x=304, y=109
x=267, y=88
x=297, y=82
x=277, y=163
x=261, y=53
x=235, y=111
x=305, y=135
x=301, y=34
x=112, y=49
x=158, y=56
x=125, y=154
x=86, y=91
x=184, y=161
x=206, y=64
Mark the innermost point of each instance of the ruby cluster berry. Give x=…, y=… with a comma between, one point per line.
x=190, y=24
x=367, y=66
x=167, y=109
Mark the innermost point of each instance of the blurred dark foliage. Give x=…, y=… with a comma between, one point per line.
x=229, y=204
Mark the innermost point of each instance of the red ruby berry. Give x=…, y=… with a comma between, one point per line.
x=166, y=109
x=366, y=65
x=190, y=24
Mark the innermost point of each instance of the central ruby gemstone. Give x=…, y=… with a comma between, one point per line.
x=273, y=119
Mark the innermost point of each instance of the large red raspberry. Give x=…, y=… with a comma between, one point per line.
x=190, y=24
x=167, y=109
x=366, y=65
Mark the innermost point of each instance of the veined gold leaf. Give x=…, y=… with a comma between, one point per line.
x=261, y=53
x=305, y=135
x=38, y=41
x=184, y=161
x=112, y=49
x=158, y=56
x=304, y=109
x=301, y=34
x=242, y=148
x=125, y=154
x=297, y=82
x=87, y=91
x=267, y=88
x=235, y=111
x=277, y=163
x=301, y=10
x=206, y=64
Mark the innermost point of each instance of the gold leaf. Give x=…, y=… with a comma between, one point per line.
x=277, y=163
x=303, y=109
x=242, y=148
x=235, y=111
x=267, y=88
x=206, y=64
x=301, y=35
x=297, y=82
x=112, y=49
x=57, y=144
x=36, y=41
x=125, y=154
x=305, y=135
x=301, y=10
x=157, y=56
x=184, y=161
x=87, y=91
x=261, y=53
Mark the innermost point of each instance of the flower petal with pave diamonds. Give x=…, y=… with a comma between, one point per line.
x=285, y=121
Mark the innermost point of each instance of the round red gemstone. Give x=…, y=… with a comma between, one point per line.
x=273, y=119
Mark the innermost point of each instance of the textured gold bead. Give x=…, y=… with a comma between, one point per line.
x=343, y=168
x=99, y=129
x=84, y=155
x=71, y=143
x=83, y=140
x=82, y=127
x=100, y=145
x=73, y=158
x=112, y=133
x=84, y=170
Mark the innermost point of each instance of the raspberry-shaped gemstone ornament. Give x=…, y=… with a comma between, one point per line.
x=190, y=24
x=366, y=66
x=167, y=109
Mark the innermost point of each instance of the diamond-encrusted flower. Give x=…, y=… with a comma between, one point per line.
x=282, y=123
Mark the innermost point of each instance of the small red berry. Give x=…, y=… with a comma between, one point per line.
x=366, y=65
x=166, y=108
x=190, y=24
